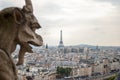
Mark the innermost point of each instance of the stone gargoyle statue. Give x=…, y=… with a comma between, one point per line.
x=17, y=26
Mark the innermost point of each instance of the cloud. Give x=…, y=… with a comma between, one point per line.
x=114, y=2
x=82, y=21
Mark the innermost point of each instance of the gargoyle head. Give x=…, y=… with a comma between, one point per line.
x=26, y=33
x=28, y=24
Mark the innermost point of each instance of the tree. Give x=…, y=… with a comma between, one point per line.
x=64, y=71
x=67, y=71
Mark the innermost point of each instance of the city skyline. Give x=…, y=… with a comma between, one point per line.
x=94, y=22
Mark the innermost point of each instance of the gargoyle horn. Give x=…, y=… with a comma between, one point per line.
x=28, y=6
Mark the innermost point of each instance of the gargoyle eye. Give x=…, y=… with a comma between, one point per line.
x=34, y=26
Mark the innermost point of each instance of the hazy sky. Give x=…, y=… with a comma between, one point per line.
x=95, y=22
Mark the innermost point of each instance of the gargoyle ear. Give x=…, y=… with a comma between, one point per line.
x=18, y=16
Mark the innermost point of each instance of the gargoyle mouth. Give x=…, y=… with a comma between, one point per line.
x=37, y=41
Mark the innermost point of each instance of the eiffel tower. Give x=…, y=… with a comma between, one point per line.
x=61, y=45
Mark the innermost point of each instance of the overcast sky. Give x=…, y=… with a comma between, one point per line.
x=94, y=22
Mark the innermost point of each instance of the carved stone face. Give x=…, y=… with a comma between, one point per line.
x=17, y=26
x=26, y=32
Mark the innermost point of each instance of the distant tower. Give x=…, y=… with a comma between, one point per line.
x=97, y=47
x=61, y=42
x=46, y=47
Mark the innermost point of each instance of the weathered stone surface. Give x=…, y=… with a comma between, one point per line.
x=17, y=26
